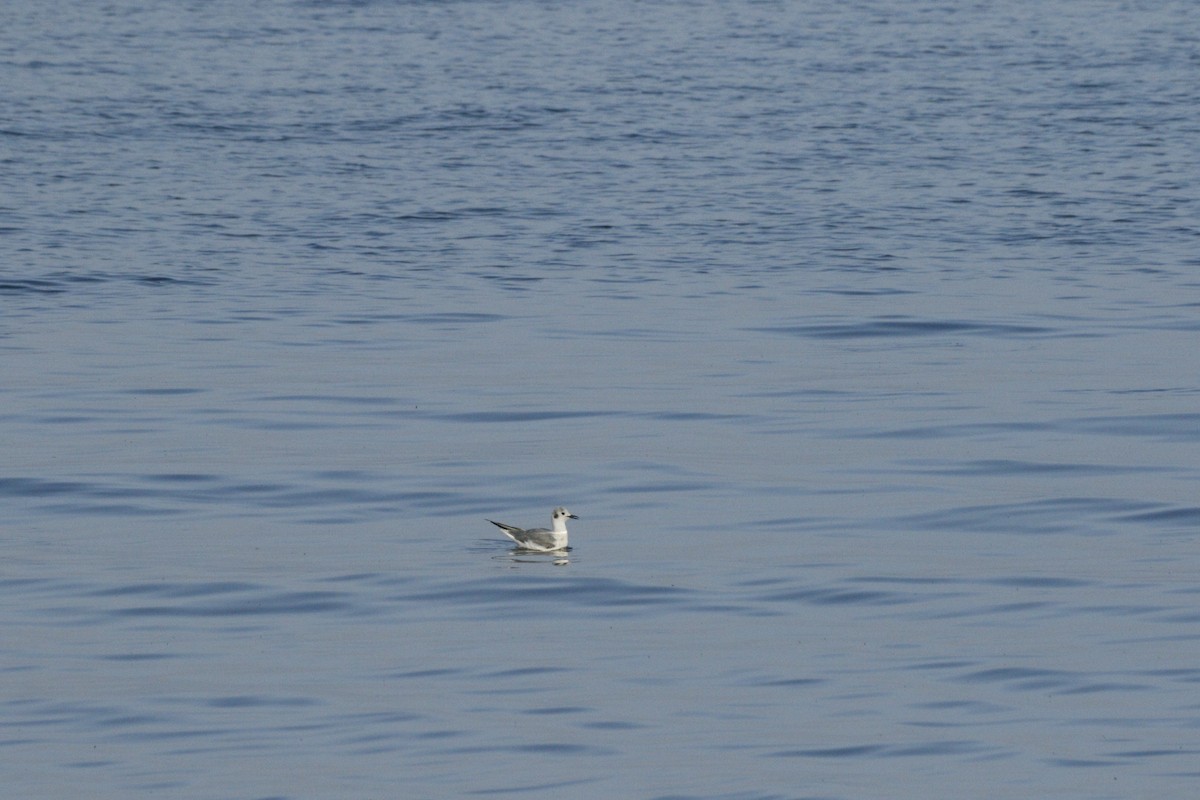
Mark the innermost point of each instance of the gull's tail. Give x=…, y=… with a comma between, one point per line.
x=509, y=530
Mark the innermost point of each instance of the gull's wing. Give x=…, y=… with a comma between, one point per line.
x=537, y=538
x=534, y=538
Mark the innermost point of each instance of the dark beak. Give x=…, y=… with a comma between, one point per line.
x=572, y=516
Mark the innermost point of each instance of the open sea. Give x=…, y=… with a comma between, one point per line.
x=863, y=337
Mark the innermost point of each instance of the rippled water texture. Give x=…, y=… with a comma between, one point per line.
x=862, y=337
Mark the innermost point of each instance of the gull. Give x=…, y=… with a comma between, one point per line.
x=542, y=539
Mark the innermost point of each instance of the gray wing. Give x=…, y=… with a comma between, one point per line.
x=540, y=537
x=534, y=537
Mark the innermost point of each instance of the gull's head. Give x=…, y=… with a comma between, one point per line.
x=562, y=513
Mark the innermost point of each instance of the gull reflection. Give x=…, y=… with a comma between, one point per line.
x=522, y=555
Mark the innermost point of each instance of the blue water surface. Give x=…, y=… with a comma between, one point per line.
x=864, y=338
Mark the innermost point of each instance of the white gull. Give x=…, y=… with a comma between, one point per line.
x=542, y=539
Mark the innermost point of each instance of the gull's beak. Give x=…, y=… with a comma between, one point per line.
x=572, y=516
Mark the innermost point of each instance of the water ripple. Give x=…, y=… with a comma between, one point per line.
x=345, y=492
x=1035, y=517
x=890, y=327
x=519, y=416
x=603, y=594
x=935, y=748
x=834, y=596
x=1002, y=467
x=240, y=600
x=1159, y=427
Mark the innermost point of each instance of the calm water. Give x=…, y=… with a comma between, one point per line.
x=863, y=337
